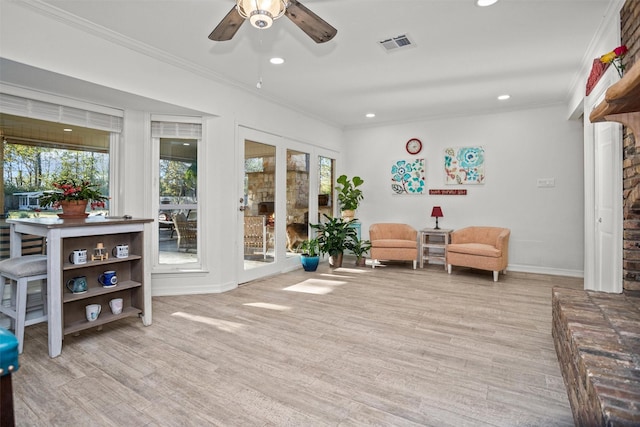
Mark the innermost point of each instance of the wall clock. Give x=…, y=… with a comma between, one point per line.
x=414, y=146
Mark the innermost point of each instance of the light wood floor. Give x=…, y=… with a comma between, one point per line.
x=391, y=346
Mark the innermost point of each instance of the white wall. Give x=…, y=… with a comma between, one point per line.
x=520, y=147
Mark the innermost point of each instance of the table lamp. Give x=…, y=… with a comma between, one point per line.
x=436, y=212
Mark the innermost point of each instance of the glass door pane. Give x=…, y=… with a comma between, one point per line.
x=326, y=180
x=297, y=199
x=259, y=203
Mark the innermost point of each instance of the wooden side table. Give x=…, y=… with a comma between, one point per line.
x=433, y=245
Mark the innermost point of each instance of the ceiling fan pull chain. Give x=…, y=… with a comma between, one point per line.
x=260, y=59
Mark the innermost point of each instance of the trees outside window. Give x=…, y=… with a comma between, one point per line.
x=33, y=169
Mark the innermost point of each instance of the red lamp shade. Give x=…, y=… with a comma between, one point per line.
x=437, y=213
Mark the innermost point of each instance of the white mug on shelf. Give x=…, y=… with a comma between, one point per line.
x=116, y=305
x=120, y=251
x=93, y=311
x=78, y=256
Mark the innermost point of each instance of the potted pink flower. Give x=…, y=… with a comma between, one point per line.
x=73, y=198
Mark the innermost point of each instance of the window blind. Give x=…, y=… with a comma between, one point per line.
x=42, y=110
x=176, y=130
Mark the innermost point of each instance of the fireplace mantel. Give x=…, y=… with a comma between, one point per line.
x=622, y=103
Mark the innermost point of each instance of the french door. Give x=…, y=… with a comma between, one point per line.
x=273, y=194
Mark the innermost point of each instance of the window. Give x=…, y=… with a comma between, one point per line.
x=35, y=153
x=178, y=191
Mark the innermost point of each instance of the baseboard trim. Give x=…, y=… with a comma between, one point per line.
x=545, y=270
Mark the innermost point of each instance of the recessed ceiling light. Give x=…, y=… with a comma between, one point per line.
x=370, y=115
x=277, y=61
x=484, y=3
x=504, y=97
x=67, y=130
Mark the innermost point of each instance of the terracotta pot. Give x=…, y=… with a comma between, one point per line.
x=73, y=209
x=335, y=261
x=348, y=215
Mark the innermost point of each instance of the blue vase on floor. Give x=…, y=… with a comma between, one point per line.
x=309, y=263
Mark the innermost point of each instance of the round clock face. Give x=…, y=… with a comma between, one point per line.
x=414, y=145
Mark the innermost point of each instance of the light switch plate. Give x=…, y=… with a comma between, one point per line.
x=546, y=182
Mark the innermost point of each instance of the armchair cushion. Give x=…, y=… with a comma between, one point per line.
x=479, y=249
x=394, y=243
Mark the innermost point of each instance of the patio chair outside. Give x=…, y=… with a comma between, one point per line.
x=187, y=232
x=255, y=235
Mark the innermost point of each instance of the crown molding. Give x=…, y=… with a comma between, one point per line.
x=87, y=26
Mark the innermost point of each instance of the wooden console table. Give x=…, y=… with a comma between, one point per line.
x=66, y=310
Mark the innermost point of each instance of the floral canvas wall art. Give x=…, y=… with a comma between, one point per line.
x=408, y=177
x=464, y=165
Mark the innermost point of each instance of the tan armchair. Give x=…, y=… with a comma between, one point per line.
x=484, y=248
x=393, y=242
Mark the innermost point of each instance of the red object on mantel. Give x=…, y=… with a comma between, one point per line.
x=597, y=70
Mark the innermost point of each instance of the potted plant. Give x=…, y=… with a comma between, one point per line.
x=73, y=197
x=349, y=195
x=334, y=236
x=359, y=249
x=310, y=256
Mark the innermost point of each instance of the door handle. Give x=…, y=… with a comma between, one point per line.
x=241, y=208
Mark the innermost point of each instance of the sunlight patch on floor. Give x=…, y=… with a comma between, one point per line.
x=223, y=325
x=315, y=286
x=268, y=306
x=351, y=270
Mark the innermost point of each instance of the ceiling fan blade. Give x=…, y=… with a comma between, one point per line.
x=314, y=26
x=228, y=27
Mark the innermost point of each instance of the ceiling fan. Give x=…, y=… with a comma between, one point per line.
x=262, y=13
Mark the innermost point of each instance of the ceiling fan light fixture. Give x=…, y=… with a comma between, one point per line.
x=261, y=13
x=261, y=19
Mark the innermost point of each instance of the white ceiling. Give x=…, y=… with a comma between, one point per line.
x=464, y=55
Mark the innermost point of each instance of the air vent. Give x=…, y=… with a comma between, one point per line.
x=395, y=43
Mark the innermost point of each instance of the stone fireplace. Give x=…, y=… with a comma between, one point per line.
x=597, y=334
